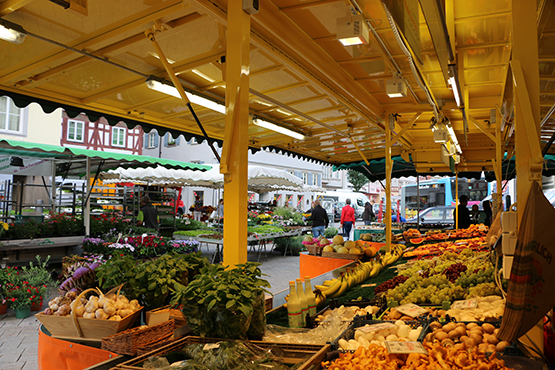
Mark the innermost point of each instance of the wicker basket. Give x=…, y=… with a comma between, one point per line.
x=345, y=256
x=314, y=249
x=127, y=342
x=153, y=346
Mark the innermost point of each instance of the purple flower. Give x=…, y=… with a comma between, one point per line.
x=78, y=274
x=94, y=266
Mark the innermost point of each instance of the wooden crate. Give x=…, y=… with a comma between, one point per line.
x=63, y=327
x=292, y=354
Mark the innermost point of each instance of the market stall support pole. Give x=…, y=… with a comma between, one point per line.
x=234, y=161
x=456, y=200
x=526, y=85
x=388, y=169
x=87, y=212
x=53, y=189
x=497, y=167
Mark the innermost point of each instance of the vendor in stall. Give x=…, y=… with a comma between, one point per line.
x=148, y=215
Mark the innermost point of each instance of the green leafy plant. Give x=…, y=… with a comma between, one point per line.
x=150, y=282
x=37, y=275
x=195, y=232
x=330, y=232
x=220, y=302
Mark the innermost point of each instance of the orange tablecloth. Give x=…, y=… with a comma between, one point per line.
x=314, y=266
x=57, y=354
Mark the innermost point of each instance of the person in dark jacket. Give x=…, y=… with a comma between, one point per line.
x=368, y=213
x=464, y=213
x=148, y=215
x=487, y=211
x=319, y=218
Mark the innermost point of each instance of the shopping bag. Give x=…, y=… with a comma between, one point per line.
x=214, y=214
x=530, y=293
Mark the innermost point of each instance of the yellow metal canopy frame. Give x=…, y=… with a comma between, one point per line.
x=285, y=63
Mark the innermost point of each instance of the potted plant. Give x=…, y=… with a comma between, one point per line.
x=225, y=303
x=38, y=276
x=3, y=281
x=20, y=297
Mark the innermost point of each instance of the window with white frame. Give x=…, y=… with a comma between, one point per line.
x=118, y=136
x=10, y=116
x=314, y=179
x=305, y=178
x=335, y=175
x=75, y=130
x=326, y=173
x=152, y=140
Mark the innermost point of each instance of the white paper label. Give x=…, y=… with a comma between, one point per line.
x=209, y=346
x=405, y=347
x=376, y=327
x=412, y=310
x=469, y=303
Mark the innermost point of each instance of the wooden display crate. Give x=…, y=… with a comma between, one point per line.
x=64, y=327
x=292, y=354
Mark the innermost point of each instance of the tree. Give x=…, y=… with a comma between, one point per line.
x=356, y=179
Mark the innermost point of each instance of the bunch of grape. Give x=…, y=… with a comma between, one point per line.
x=454, y=271
x=483, y=290
x=390, y=284
x=469, y=278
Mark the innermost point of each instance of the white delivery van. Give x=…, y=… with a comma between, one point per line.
x=358, y=200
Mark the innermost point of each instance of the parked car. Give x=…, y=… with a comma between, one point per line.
x=441, y=216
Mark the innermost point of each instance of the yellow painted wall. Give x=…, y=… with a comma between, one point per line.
x=38, y=127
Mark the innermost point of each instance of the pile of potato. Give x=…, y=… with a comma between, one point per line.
x=104, y=307
x=466, y=336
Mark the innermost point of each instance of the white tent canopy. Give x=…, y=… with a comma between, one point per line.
x=261, y=179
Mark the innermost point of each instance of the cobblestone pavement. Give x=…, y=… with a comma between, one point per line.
x=19, y=337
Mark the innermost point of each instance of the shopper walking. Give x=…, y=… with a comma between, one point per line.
x=198, y=208
x=368, y=213
x=347, y=218
x=464, y=214
x=488, y=213
x=220, y=209
x=319, y=218
x=148, y=215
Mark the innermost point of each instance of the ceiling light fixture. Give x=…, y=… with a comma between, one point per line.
x=165, y=88
x=454, y=82
x=277, y=128
x=396, y=87
x=352, y=30
x=11, y=32
x=452, y=135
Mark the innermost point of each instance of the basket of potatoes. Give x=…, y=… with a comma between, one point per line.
x=91, y=314
x=467, y=335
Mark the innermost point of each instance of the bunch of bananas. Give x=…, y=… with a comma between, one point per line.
x=392, y=256
x=336, y=287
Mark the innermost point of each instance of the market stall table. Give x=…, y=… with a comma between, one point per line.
x=359, y=230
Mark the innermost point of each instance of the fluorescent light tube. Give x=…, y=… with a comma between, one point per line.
x=351, y=41
x=455, y=89
x=277, y=128
x=196, y=99
x=11, y=32
x=395, y=95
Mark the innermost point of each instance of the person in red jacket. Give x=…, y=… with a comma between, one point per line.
x=347, y=218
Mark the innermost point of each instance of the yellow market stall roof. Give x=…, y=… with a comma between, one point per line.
x=97, y=58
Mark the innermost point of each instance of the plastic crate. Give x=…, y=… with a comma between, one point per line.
x=291, y=354
x=349, y=333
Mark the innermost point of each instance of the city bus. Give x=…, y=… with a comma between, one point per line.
x=441, y=192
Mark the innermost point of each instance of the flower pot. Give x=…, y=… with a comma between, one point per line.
x=36, y=306
x=22, y=312
x=3, y=308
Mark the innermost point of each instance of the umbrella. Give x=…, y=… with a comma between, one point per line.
x=261, y=179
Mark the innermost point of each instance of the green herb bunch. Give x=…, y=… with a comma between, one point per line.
x=220, y=302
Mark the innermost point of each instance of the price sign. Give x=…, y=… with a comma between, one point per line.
x=405, y=347
x=376, y=327
x=209, y=346
x=412, y=310
x=469, y=303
